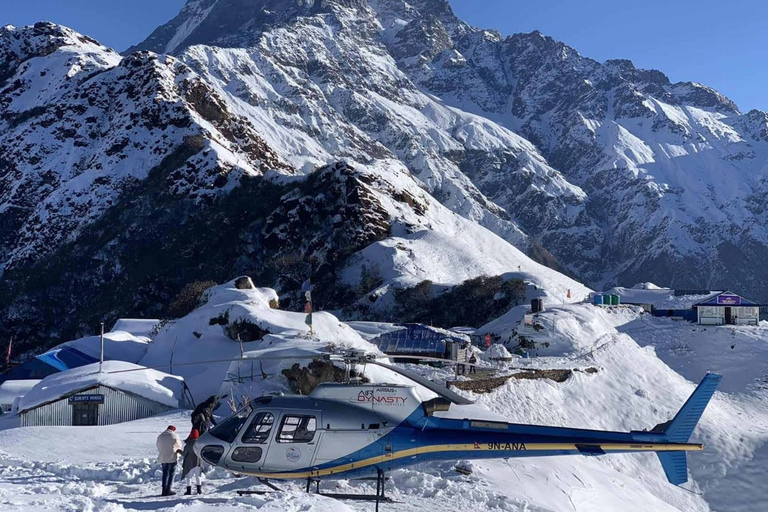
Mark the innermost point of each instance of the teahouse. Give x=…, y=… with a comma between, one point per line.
x=86, y=396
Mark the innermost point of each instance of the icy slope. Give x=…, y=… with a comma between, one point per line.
x=432, y=243
x=633, y=389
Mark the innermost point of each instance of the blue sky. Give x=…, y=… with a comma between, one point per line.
x=720, y=44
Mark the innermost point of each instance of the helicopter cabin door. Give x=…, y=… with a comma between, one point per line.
x=295, y=440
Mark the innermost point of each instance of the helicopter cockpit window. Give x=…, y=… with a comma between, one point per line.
x=297, y=429
x=260, y=428
x=227, y=430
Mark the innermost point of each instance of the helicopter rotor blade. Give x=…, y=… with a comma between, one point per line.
x=232, y=360
x=437, y=388
x=438, y=359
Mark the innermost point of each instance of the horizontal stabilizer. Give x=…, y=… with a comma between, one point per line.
x=675, y=466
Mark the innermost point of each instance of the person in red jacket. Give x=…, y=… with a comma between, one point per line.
x=192, y=467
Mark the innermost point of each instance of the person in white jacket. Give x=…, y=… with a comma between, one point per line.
x=168, y=448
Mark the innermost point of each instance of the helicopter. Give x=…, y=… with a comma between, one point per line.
x=362, y=431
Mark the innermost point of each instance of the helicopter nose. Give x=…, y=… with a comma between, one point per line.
x=210, y=448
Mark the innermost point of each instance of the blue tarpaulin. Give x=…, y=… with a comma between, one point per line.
x=66, y=358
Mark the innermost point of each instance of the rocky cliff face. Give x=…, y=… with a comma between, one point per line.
x=618, y=173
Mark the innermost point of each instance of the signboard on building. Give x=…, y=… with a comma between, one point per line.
x=94, y=398
x=728, y=299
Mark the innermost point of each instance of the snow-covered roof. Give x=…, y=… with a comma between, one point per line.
x=11, y=389
x=199, y=337
x=151, y=384
x=726, y=299
x=136, y=326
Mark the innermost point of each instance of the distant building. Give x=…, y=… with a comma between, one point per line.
x=84, y=396
x=727, y=308
x=705, y=307
x=422, y=340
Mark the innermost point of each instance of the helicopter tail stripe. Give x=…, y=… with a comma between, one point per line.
x=675, y=466
x=681, y=427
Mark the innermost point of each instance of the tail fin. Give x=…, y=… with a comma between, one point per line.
x=681, y=427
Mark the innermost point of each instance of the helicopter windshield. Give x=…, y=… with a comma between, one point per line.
x=227, y=430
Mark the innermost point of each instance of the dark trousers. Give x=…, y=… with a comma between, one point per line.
x=169, y=469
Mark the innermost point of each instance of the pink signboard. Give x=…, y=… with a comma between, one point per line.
x=729, y=300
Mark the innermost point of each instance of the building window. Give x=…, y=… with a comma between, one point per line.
x=260, y=428
x=711, y=312
x=297, y=429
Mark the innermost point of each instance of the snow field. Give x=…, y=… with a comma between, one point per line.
x=643, y=378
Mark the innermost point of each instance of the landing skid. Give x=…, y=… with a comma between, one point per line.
x=378, y=497
x=265, y=482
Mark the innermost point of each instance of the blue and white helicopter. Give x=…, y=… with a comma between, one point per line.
x=365, y=430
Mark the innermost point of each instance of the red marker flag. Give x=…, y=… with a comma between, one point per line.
x=568, y=295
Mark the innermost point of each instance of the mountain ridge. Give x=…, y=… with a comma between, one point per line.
x=588, y=166
x=607, y=127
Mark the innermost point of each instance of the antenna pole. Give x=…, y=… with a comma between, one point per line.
x=101, y=359
x=240, y=341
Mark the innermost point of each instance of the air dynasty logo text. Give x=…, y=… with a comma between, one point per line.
x=502, y=446
x=370, y=396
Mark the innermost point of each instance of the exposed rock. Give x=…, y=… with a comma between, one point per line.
x=304, y=379
x=244, y=283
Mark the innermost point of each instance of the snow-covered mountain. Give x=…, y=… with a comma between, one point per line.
x=655, y=179
x=175, y=192
x=283, y=138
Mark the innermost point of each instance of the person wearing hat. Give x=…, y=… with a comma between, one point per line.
x=202, y=416
x=168, y=448
x=192, y=467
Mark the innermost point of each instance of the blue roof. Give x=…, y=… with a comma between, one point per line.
x=66, y=358
x=727, y=299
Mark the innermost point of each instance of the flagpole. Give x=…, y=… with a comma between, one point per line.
x=101, y=359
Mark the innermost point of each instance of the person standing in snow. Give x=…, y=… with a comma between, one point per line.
x=472, y=361
x=192, y=467
x=202, y=416
x=168, y=448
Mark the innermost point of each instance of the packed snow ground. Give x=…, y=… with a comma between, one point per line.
x=646, y=369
